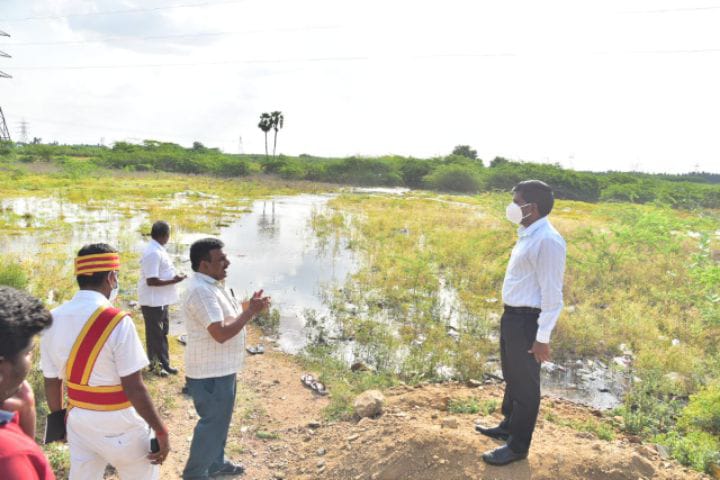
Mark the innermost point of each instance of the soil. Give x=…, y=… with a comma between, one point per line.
x=279, y=432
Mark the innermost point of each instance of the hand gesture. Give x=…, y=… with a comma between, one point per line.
x=258, y=303
x=179, y=277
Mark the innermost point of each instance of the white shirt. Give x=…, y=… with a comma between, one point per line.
x=534, y=276
x=156, y=263
x=205, y=302
x=121, y=355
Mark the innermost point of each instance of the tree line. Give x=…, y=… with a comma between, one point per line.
x=459, y=172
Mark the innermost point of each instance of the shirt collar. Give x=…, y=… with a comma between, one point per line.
x=6, y=417
x=207, y=278
x=536, y=225
x=155, y=244
x=90, y=295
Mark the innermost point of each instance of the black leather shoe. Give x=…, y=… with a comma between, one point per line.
x=493, y=432
x=170, y=370
x=502, y=456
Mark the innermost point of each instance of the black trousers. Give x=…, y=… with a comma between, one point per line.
x=157, y=326
x=522, y=378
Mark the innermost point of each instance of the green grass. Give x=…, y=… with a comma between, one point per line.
x=640, y=275
x=472, y=405
x=263, y=435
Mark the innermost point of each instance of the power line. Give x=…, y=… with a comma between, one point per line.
x=668, y=10
x=353, y=59
x=192, y=64
x=132, y=10
x=180, y=35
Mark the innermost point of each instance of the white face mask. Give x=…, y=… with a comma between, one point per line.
x=114, y=292
x=513, y=212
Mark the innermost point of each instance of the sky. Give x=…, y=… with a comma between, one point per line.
x=601, y=85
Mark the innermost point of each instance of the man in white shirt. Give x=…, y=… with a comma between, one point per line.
x=215, y=324
x=532, y=294
x=94, y=350
x=156, y=292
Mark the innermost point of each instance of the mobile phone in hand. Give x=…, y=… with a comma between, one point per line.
x=154, y=445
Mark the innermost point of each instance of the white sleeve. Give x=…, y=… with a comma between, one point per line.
x=127, y=349
x=549, y=272
x=48, y=367
x=205, y=307
x=150, y=265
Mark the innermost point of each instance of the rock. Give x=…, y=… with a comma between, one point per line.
x=586, y=435
x=364, y=421
x=321, y=452
x=353, y=437
x=634, y=439
x=278, y=476
x=361, y=367
x=648, y=451
x=314, y=424
x=642, y=466
x=320, y=463
x=472, y=383
x=662, y=451
x=369, y=404
x=450, y=422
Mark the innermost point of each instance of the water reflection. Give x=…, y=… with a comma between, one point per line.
x=272, y=247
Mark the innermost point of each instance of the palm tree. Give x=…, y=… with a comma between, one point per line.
x=265, y=125
x=276, y=119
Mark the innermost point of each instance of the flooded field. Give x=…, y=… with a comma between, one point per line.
x=273, y=246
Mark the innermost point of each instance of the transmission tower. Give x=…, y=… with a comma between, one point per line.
x=4, y=133
x=23, y=131
x=240, y=146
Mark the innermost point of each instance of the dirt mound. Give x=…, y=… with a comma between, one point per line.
x=417, y=439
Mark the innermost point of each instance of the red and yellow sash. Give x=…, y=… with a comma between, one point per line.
x=82, y=361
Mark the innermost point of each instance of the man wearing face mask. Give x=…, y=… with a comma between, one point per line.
x=532, y=294
x=94, y=350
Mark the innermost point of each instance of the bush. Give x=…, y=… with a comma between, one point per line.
x=703, y=411
x=696, y=449
x=12, y=274
x=455, y=178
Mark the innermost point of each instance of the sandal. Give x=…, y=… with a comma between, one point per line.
x=256, y=350
x=182, y=339
x=316, y=386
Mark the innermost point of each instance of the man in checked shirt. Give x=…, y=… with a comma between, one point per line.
x=215, y=324
x=532, y=294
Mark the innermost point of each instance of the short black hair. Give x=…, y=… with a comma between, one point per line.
x=537, y=192
x=160, y=229
x=200, y=250
x=96, y=279
x=22, y=316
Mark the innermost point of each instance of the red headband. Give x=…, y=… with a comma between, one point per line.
x=97, y=262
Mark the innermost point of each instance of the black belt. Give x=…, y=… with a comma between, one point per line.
x=524, y=310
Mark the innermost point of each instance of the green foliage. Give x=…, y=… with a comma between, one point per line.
x=454, y=178
x=269, y=321
x=703, y=411
x=472, y=405
x=698, y=450
x=646, y=410
x=12, y=274
x=459, y=172
x=466, y=151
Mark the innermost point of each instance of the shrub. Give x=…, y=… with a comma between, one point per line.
x=12, y=274
x=455, y=178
